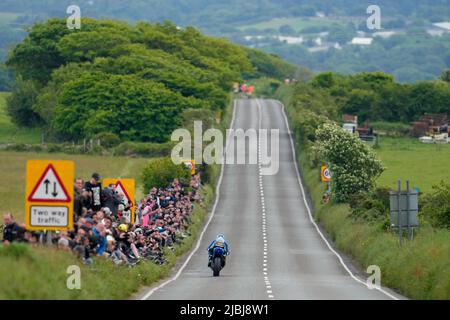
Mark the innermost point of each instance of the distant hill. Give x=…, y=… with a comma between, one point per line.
x=307, y=20
x=218, y=13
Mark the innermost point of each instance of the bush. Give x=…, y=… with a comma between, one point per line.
x=20, y=103
x=161, y=172
x=306, y=123
x=17, y=147
x=353, y=164
x=371, y=207
x=53, y=148
x=143, y=149
x=36, y=148
x=107, y=139
x=435, y=206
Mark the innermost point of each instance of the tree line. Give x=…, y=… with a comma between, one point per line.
x=373, y=96
x=133, y=81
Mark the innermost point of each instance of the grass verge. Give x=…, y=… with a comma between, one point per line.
x=41, y=273
x=419, y=270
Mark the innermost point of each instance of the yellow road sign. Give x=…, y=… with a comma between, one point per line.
x=125, y=188
x=49, y=195
x=190, y=164
x=325, y=174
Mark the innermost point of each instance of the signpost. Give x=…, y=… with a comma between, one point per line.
x=325, y=175
x=49, y=195
x=404, y=210
x=125, y=187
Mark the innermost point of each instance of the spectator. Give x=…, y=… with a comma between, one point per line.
x=110, y=198
x=78, y=201
x=63, y=241
x=12, y=232
x=100, y=239
x=164, y=219
x=94, y=189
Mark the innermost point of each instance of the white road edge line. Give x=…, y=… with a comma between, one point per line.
x=341, y=260
x=219, y=182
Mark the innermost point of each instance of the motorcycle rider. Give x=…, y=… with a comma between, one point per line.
x=219, y=241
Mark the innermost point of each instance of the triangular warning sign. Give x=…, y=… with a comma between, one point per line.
x=120, y=189
x=49, y=188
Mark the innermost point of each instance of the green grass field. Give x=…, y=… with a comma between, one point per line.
x=424, y=165
x=12, y=169
x=9, y=132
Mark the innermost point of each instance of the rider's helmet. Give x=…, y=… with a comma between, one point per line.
x=220, y=237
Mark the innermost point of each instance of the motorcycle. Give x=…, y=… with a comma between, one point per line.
x=217, y=260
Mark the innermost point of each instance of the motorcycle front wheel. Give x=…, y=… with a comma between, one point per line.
x=217, y=265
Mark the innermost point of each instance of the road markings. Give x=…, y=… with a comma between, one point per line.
x=270, y=294
x=308, y=209
x=213, y=211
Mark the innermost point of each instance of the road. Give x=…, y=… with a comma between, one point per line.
x=276, y=251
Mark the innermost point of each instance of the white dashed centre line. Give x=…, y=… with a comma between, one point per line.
x=270, y=294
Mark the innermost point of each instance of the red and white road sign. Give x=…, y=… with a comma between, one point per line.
x=49, y=188
x=121, y=190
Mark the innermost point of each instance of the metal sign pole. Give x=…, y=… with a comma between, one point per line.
x=407, y=211
x=399, y=214
x=49, y=238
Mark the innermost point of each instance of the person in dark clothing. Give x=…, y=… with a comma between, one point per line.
x=94, y=188
x=12, y=232
x=78, y=202
x=110, y=199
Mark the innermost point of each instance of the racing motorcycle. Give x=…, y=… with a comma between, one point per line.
x=217, y=259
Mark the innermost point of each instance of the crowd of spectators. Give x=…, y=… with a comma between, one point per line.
x=103, y=226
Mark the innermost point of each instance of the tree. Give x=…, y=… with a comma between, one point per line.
x=324, y=80
x=353, y=165
x=161, y=172
x=36, y=57
x=132, y=108
x=360, y=102
x=20, y=103
x=445, y=76
x=435, y=206
x=133, y=81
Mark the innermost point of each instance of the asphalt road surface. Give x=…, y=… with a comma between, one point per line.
x=276, y=251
